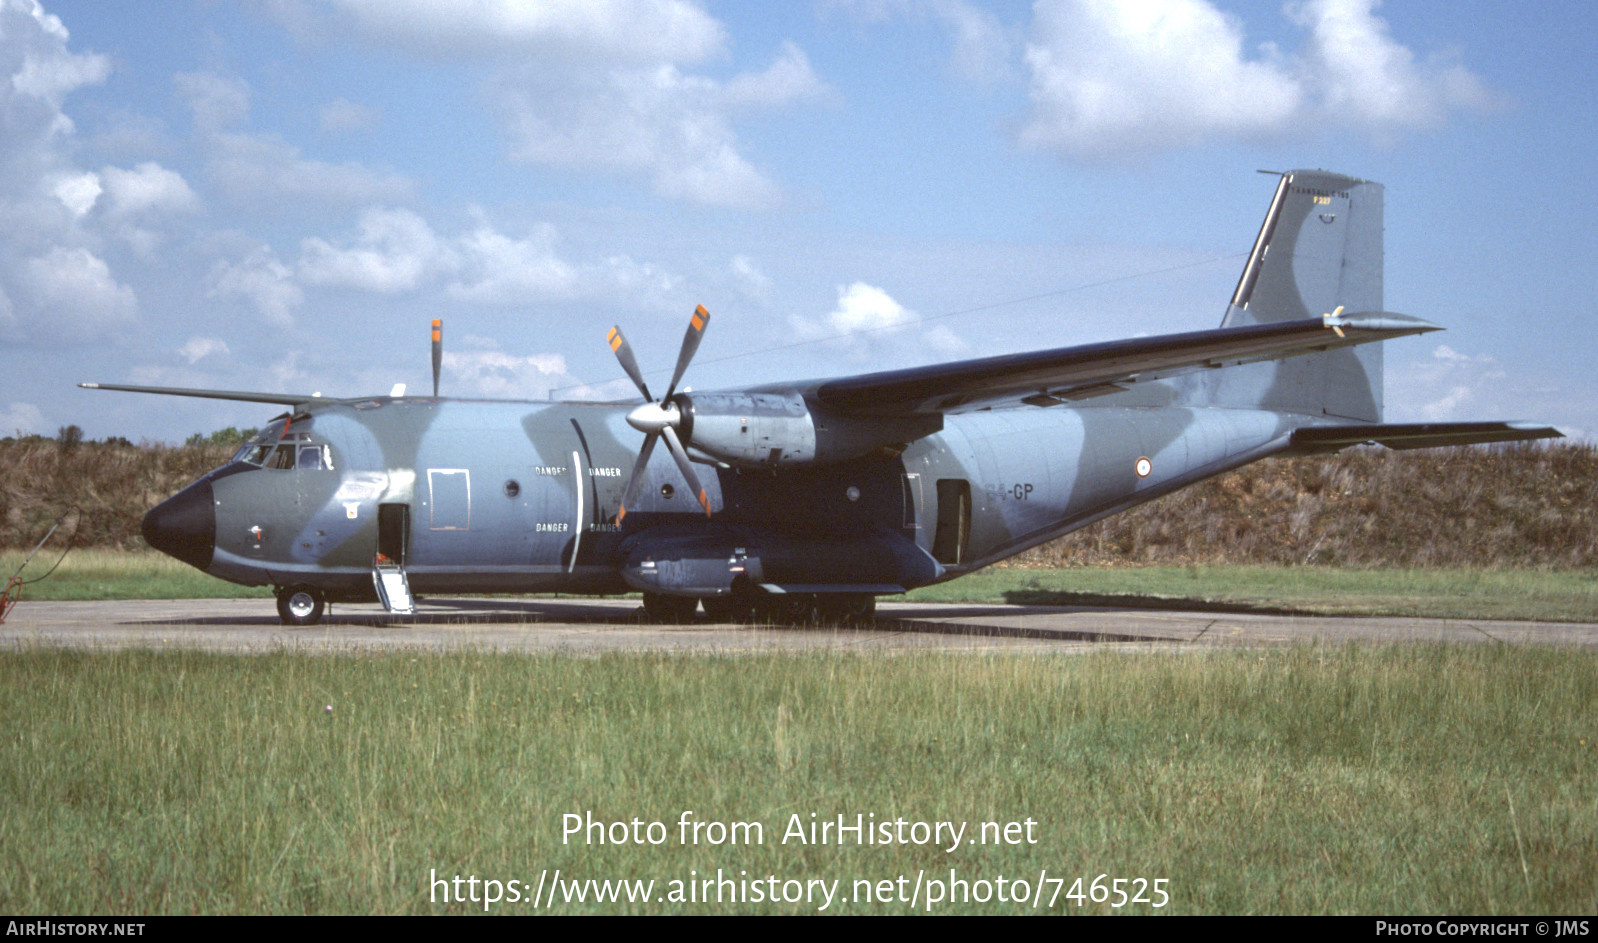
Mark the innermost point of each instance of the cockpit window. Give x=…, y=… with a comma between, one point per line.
x=273, y=449
x=281, y=457
x=315, y=456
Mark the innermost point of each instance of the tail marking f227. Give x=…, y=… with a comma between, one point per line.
x=810, y=499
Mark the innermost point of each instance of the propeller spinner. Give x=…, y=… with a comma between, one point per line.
x=660, y=419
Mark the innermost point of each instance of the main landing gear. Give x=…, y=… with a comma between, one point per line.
x=763, y=608
x=300, y=605
x=671, y=610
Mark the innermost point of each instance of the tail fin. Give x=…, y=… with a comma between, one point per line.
x=1320, y=248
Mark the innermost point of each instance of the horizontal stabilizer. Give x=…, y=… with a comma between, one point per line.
x=1065, y=373
x=280, y=399
x=1312, y=440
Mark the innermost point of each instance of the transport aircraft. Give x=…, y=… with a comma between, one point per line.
x=806, y=500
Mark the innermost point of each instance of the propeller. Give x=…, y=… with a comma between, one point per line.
x=1334, y=321
x=438, y=352
x=660, y=419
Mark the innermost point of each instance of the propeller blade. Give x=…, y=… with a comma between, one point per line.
x=629, y=363
x=638, y=474
x=659, y=420
x=686, y=467
x=690, y=345
x=438, y=351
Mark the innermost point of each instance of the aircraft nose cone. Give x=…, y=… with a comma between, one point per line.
x=184, y=525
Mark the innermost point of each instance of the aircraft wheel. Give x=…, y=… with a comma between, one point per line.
x=785, y=609
x=846, y=608
x=671, y=610
x=300, y=605
x=727, y=608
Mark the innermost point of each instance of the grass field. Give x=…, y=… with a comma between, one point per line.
x=87, y=574
x=1451, y=593
x=1379, y=780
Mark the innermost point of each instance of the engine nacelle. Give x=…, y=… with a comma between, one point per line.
x=774, y=430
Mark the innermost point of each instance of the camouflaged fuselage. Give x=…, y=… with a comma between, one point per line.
x=522, y=497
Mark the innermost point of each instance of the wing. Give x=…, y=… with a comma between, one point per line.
x=1047, y=377
x=280, y=399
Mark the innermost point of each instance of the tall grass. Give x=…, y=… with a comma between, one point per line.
x=1303, y=780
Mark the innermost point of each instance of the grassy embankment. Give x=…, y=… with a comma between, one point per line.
x=1387, y=780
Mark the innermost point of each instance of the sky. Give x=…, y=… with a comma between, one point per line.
x=280, y=195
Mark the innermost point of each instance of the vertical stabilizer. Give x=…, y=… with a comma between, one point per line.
x=1319, y=249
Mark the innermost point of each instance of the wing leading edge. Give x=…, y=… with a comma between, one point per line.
x=1047, y=377
x=277, y=399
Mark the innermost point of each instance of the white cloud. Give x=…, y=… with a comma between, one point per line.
x=397, y=251
x=749, y=279
x=869, y=324
x=602, y=85
x=502, y=270
x=258, y=170
x=862, y=307
x=36, y=73
x=286, y=371
x=982, y=45
x=74, y=296
x=198, y=348
x=1112, y=78
x=394, y=252
x=46, y=72
x=134, y=199
x=498, y=375
x=1359, y=70
x=1449, y=386
x=217, y=102
x=788, y=79
x=617, y=30
x=78, y=192
x=262, y=280
x=148, y=188
x=341, y=114
x=254, y=169
x=674, y=127
x=56, y=289
x=1108, y=77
